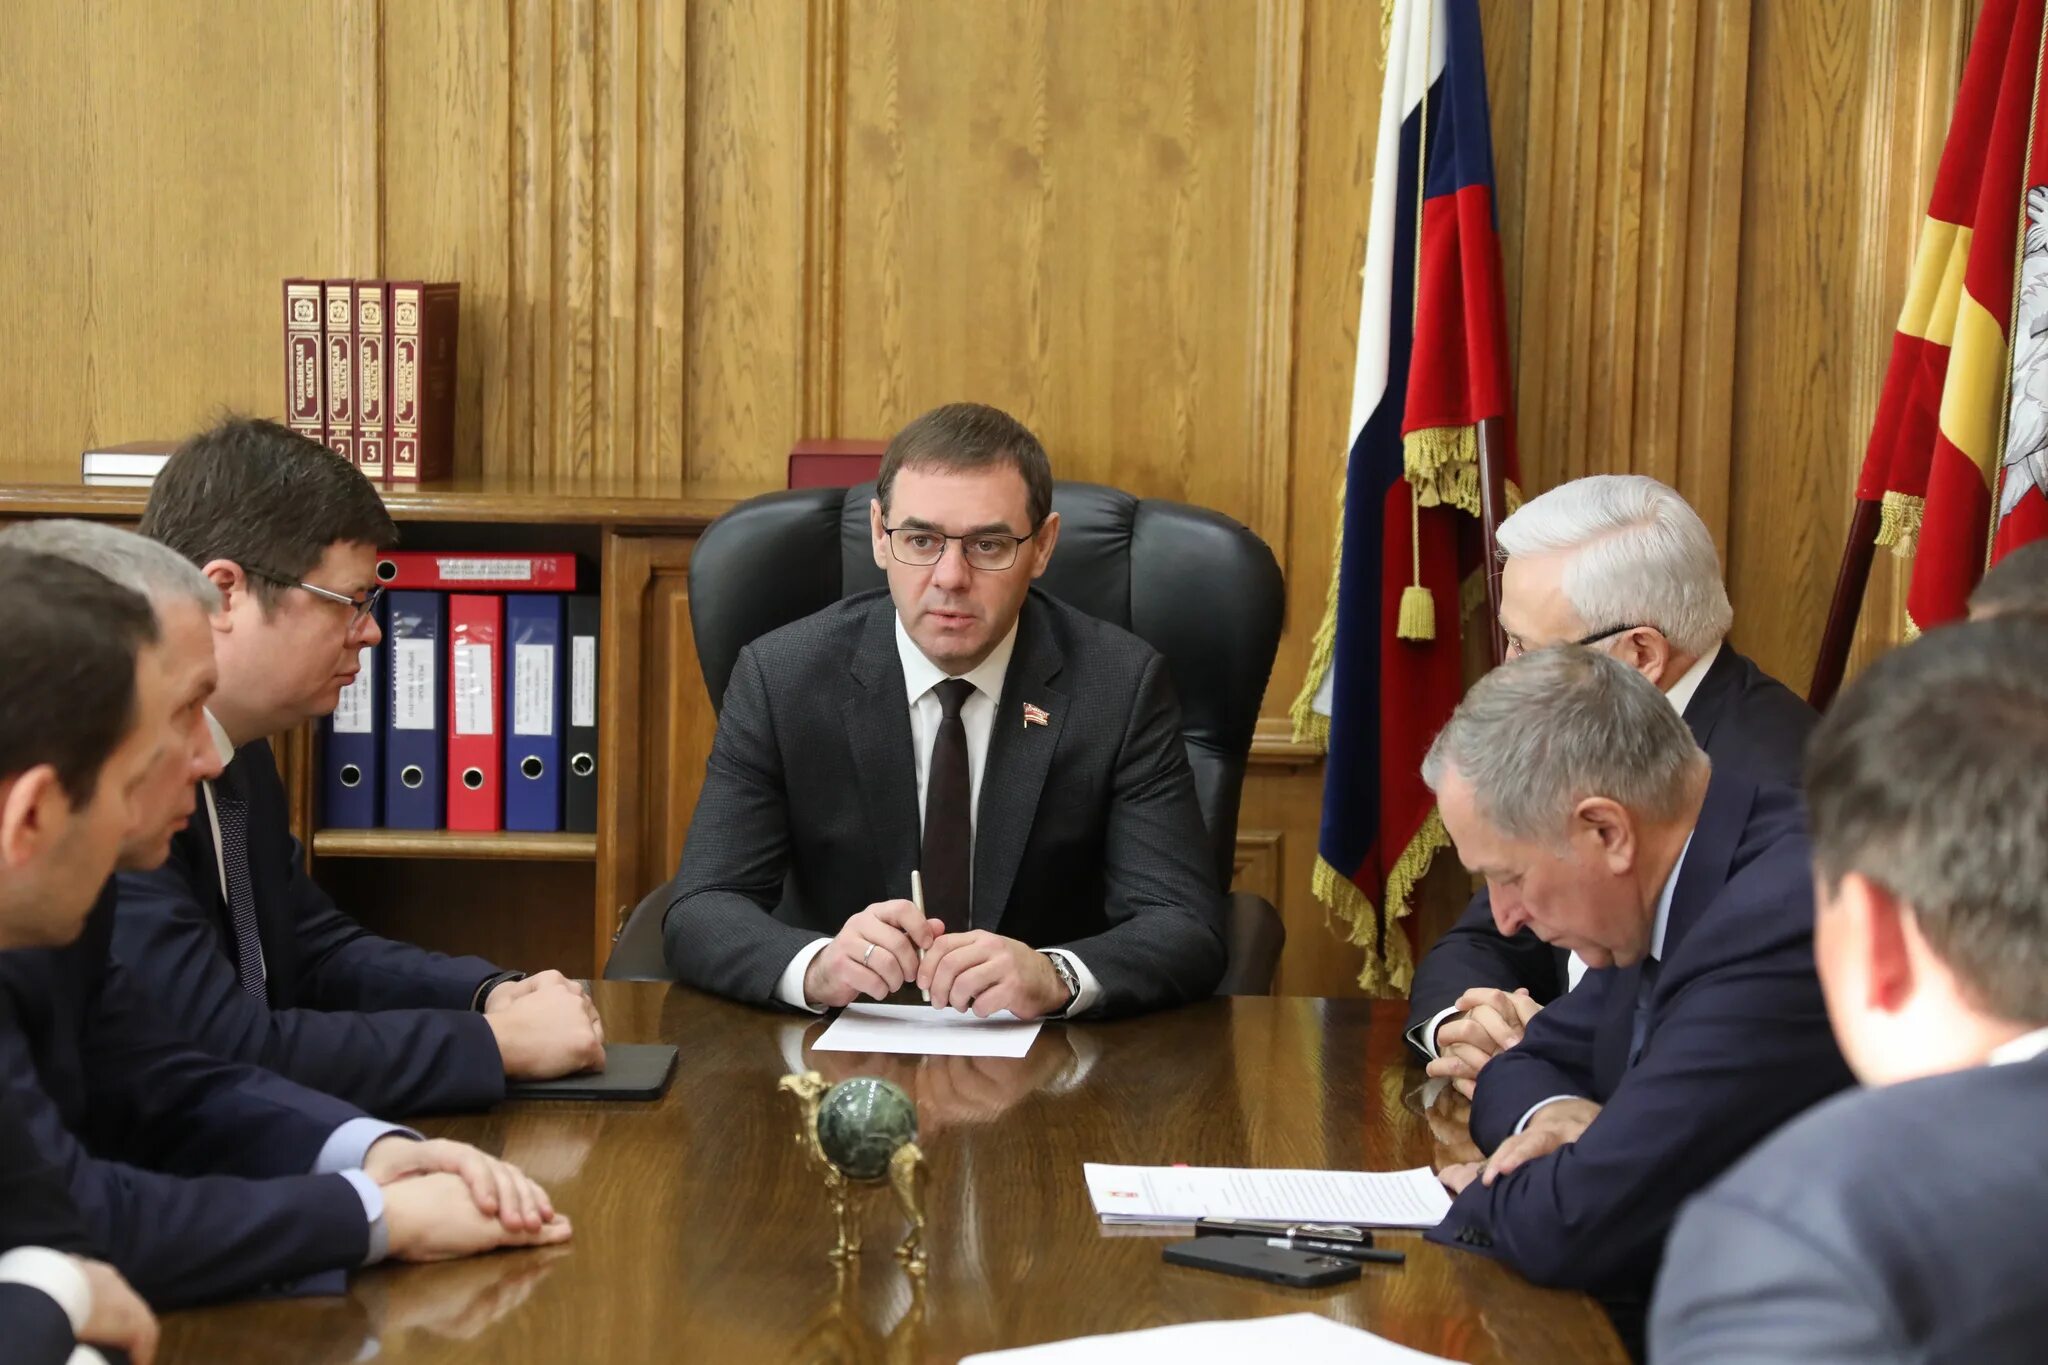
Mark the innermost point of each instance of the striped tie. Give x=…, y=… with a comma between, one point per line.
x=234, y=842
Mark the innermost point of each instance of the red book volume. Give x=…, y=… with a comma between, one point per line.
x=372, y=376
x=476, y=622
x=305, y=397
x=433, y=570
x=835, y=464
x=424, y=319
x=340, y=339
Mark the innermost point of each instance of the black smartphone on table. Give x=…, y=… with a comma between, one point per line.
x=1253, y=1259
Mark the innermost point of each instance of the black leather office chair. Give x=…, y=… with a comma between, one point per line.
x=1197, y=586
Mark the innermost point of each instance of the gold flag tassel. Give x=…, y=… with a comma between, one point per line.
x=1418, y=608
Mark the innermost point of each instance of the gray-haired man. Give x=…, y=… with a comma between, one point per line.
x=1905, y=1222
x=1569, y=783
x=1621, y=564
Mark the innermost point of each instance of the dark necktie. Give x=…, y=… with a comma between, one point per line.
x=1639, y=1026
x=948, y=813
x=234, y=845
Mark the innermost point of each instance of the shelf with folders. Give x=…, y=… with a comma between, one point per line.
x=473, y=716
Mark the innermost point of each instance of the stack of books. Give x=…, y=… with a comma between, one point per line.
x=370, y=372
x=478, y=708
x=133, y=464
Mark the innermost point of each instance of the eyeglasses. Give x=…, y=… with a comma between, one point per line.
x=1516, y=646
x=986, y=551
x=361, y=606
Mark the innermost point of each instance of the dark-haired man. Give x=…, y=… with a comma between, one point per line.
x=230, y=934
x=1903, y=1222
x=69, y=757
x=1025, y=758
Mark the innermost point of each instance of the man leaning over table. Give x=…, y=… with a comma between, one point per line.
x=200, y=1178
x=228, y=932
x=1573, y=787
x=1024, y=757
x=1905, y=1222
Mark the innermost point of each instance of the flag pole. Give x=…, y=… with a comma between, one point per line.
x=1492, y=503
x=1851, y=582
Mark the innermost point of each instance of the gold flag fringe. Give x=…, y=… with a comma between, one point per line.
x=1898, y=523
x=1310, y=725
x=1389, y=966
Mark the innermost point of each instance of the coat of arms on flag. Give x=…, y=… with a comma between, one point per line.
x=1432, y=368
x=1959, y=451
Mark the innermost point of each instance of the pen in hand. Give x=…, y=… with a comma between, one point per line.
x=917, y=899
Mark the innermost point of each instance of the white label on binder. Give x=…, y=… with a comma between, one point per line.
x=485, y=570
x=352, y=713
x=412, y=684
x=471, y=687
x=533, y=689
x=583, y=680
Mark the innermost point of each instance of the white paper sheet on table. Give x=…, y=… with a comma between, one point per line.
x=1181, y=1194
x=1301, y=1336
x=925, y=1030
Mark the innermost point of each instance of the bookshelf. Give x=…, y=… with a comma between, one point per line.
x=527, y=900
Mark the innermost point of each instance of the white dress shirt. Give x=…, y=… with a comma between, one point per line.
x=1680, y=696
x=57, y=1275
x=2024, y=1048
x=977, y=717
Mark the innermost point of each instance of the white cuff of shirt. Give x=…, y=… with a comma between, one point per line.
x=86, y=1355
x=1423, y=1035
x=1534, y=1108
x=1091, y=990
x=54, y=1274
x=373, y=1209
x=789, y=987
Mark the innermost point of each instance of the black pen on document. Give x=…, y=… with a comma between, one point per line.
x=917, y=899
x=1350, y=1251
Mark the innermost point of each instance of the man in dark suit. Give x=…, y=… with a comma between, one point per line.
x=1904, y=1222
x=200, y=1178
x=1025, y=758
x=1568, y=782
x=1617, y=562
x=69, y=757
x=227, y=932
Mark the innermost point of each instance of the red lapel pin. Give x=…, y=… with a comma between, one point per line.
x=1034, y=715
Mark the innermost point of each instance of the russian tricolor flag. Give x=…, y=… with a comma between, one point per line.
x=1432, y=364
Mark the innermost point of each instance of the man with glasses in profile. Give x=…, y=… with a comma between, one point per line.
x=1023, y=759
x=1622, y=564
x=230, y=934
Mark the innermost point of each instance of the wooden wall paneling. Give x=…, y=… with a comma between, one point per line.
x=824, y=319
x=661, y=351
x=743, y=280
x=1849, y=102
x=132, y=162
x=450, y=204
x=1055, y=208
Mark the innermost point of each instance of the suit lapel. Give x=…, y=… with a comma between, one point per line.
x=876, y=715
x=1019, y=756
x=1715, y=836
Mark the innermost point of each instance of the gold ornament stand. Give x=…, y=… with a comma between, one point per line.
x=847, y=1196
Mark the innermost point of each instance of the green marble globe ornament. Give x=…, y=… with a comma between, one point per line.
x=862, y=1122
x=857, y=1133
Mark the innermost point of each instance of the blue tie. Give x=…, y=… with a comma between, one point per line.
x=1639, y=1026
x=234, y=844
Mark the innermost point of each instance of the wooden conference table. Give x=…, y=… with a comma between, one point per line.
x=701, y=1233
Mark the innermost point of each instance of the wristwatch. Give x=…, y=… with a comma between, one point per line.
x=1068, y=978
